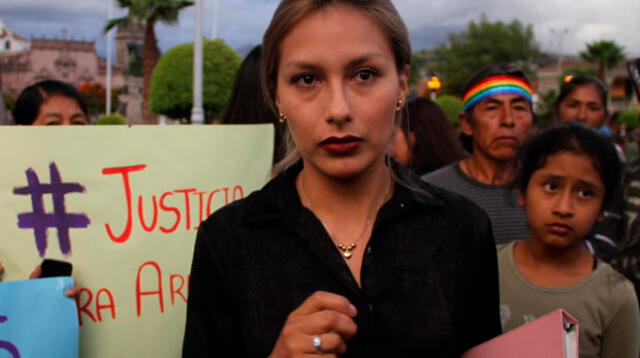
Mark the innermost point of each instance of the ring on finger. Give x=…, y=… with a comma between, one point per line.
x=317, y=343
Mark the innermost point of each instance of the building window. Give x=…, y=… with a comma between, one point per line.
x=7, y=45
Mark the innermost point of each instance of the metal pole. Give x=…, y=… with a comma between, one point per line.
x=560, y=34
x=564, y=32
x=109, y=44
x=197, y=114
x=214, y=25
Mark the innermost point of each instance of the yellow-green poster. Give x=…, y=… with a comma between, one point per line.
x=123, y=206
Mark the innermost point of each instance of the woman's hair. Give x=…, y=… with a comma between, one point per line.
x=434, y=143
x=247, y=104
x=486, y=72
x=576, y=81
x=575, y=138
x=290, y=12
x=27, y=106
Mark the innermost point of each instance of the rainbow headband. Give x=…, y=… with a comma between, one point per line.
x=496, y=85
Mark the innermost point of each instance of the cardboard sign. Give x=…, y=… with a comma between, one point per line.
x=123, y=205
x=37, y=319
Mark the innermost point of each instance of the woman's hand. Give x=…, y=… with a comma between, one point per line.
x=320, y=326
x=73, y=292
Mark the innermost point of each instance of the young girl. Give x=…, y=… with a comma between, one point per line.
x=567, y=174
x=341, y=253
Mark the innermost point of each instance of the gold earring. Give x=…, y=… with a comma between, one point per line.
x=399, y=104
x=282, y=118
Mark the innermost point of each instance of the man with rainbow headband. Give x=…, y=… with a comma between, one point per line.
x=497, y=119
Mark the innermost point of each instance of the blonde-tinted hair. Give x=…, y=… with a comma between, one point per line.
x=291, y=12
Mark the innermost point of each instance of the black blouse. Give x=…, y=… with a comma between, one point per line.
x=429, y=275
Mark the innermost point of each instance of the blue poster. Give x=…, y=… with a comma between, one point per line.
x=37, y=320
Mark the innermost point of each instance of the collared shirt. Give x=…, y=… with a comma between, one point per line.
x=429, y=279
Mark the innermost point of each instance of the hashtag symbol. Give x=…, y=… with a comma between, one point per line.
x=39, y=220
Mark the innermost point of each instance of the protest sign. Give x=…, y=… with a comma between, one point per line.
x=37, y=319
x=123, y=205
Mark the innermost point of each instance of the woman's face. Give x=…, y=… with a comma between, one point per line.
x=583, y=104
x=339, y=88
x=60, y=110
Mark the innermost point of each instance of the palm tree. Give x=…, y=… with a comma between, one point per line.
x=149, y=12
x=604, y=53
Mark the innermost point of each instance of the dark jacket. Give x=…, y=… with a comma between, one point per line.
x=429, y=275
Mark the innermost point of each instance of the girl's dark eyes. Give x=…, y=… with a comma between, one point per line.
x=586, y=193
x=550, y=186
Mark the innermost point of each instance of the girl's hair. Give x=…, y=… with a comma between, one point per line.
x=435, y=143
x=580, y=81
x=30, y=100
x=576, y=138
x=291, y=12
x=247, y=104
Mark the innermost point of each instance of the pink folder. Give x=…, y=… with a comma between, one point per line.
x=554, y=335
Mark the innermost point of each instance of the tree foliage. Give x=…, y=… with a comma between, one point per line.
x=544, y=108
x=109, y=119
x=172, y=80
x=484, y=43
x=606, y=54
x=418, y=62
x=148, y=12
x=452, y=107
x=95, y=96
x=631, y=117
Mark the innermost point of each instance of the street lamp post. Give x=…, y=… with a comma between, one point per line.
x=109, y=45
x=434, y=86
x=560, y=34
x=197, y=113
x=214, y=25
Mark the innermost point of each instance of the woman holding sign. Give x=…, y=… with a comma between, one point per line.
x=344, y=252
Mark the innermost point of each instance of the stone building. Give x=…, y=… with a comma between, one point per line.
x=10, y=42
x=69, y=60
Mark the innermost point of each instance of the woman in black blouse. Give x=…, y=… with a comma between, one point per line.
x=343, y=253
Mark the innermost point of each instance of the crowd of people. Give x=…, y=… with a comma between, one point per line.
x=384, y=231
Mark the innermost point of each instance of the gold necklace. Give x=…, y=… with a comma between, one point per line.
x=346, y=250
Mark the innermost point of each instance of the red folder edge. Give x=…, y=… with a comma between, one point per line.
x=543, y=337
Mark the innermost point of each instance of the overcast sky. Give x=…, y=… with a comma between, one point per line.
x=242, y=22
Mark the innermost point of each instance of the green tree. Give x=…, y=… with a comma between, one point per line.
x=149, y=12
x=631, y=117
x=418, y=62
x=483, y=43
x=606, y=54
x=451, y=106
x=172, y=81
x=544, y=108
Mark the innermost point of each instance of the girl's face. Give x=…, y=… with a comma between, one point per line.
x=563, y=200
x=339, y=87
x=583, y=104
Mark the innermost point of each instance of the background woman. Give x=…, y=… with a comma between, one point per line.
x=427, y=140
x=247, y=104
x=336, y=255
x=582, y=99
x=48, y=103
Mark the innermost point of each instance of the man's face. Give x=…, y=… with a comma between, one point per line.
x=499, y=126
